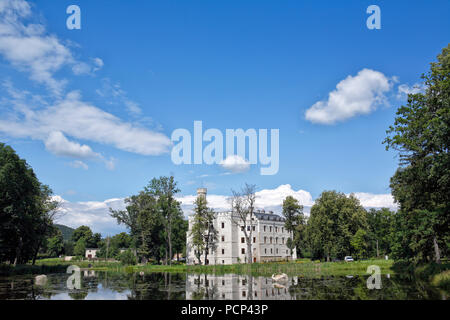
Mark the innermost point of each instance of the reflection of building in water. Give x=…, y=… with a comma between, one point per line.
x=236, y=287
x=269, y=241
x=88, y=273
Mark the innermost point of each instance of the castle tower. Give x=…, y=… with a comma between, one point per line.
x=201, y=192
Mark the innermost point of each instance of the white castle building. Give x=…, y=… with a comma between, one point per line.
x=237, y=287
x=268, y=244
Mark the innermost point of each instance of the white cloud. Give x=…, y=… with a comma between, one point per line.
x=79, y=164
x=353, y=96
x=29, y=48
x=235, y=164
x=268, y=199
x=370, y=200
x=404, y=89
x=94, y=214
x=274, y=197
x=75, y=118
x=58, y=144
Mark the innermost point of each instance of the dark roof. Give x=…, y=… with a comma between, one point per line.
x=262, y=215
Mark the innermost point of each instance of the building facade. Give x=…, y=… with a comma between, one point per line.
x=237, y=287
x=269, y=239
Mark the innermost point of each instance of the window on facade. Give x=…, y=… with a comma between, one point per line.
x=243, y=250
x=276, y=229
x=254, y=239
x=223, y=281
x=242, y=240
x=242, y=228
x=277, y=250
x=282, y=240
x=223, y=238
x=243, y=293
x=282, y=229
x=223, y=225
x=264, y=228
x=254, y=228
x=270, y=229
x=271, y=250
x=270, y=239
x=276, y=240
x=265, y=251
x=265, y=238
x=223, y=251
x=248, y=228
x=223, y=262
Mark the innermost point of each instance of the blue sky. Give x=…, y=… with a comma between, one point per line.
x=92, y=110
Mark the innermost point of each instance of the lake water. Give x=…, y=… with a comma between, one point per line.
x=96, y=285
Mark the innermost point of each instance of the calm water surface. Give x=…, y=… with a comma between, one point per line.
x=96, y=285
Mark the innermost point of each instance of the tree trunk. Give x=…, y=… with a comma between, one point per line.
x=249, y=253
x=437, y=252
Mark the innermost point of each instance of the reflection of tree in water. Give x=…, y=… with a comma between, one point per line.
x=148, y=286
x=205, y=291
x=355, y=288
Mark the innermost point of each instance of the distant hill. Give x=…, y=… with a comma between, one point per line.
x=66, y=231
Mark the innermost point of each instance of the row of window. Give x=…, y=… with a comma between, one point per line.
x=254, y=240
x=254, y=228
x=265, y=251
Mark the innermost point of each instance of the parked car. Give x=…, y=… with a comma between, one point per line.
x=348, y=259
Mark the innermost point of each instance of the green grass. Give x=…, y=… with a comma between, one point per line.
x=299, y=267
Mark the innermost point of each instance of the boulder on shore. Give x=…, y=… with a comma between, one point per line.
x=40, y=280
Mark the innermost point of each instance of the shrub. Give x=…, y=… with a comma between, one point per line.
x=442, y=280
x=127, y=258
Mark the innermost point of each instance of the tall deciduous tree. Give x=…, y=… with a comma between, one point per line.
x=25, y=209
x=334, y=220
x=203, y=231
x=243, y=209
x=421, y=184
x=293, y=213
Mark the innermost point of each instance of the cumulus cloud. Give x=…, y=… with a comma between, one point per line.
x=94, y=214
x=355, y=95
x=370, y=200
x=268, y=199
x=235, y=164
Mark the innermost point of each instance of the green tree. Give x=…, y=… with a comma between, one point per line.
x=359, y=243
x=154, y=220
x=333, y=221
x=55, y=245
x=127, y=257
x=420, y=185
x=164, y=190
x=379, y=234
x=80, y=247
x=26, y=207
x=203, y=232
x=293, y=213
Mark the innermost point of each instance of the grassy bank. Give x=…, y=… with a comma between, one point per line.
x=299, y=267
